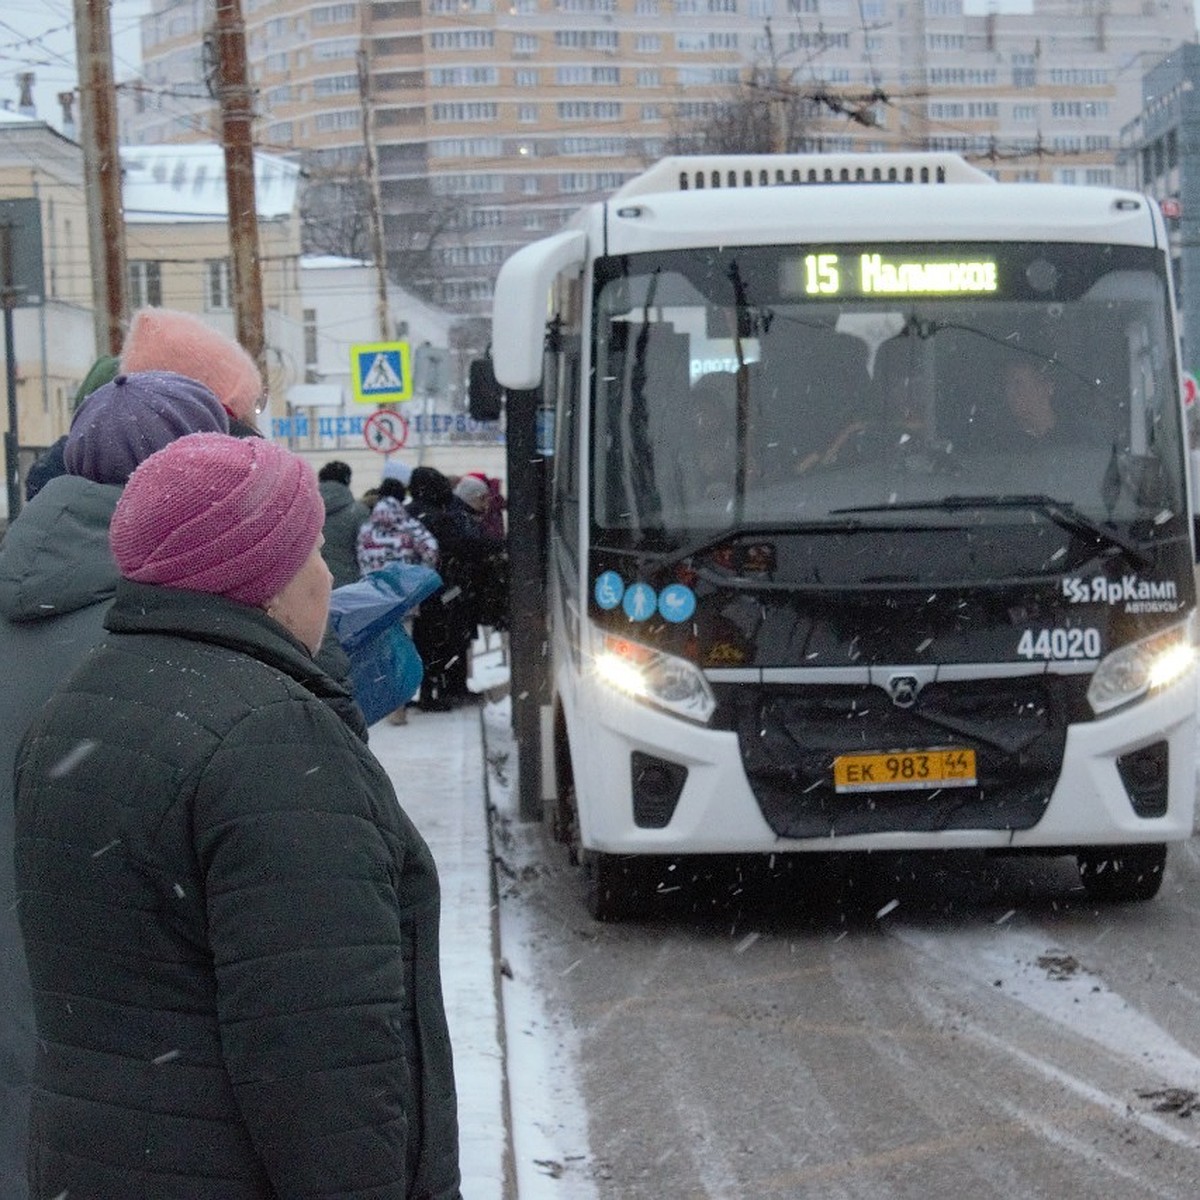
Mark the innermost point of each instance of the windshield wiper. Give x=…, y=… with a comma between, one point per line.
x=1063, y=513
x=669, y=558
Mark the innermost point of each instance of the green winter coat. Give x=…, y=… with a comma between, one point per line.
x=344, y=517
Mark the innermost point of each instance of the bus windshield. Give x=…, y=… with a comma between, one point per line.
x=760, y=387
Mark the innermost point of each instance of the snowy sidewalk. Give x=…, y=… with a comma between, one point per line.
x=436, y=764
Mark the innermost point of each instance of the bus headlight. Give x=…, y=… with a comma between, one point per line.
x=667, y=682
x=1141, y=667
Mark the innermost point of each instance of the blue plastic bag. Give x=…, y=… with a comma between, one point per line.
x=367, y=617
x=385, y=673
x=379, y=599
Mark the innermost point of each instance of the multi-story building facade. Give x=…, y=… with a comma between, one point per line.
x=1160, y=154
x=491, y=120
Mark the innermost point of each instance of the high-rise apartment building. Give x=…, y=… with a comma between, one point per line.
x=493, y=119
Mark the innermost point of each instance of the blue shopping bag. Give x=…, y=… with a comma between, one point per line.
x=367, y=617
x=385, y=672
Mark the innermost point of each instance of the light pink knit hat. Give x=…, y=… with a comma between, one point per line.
x=234, y=517
x=161, y=339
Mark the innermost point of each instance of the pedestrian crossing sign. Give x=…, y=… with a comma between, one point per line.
x=381, y=372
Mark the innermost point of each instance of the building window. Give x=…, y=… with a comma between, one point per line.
x=334, y=14
x=218, y=290
x=333, y=85
x=145, y=284
x=330, y=122
x=462, y=39
x=587, y=39
x=482, y=110
x=588, y=110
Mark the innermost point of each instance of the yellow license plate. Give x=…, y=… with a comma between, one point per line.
x=904, y=769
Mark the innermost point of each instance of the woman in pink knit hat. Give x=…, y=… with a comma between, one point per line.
x=230, y=923
x=162, y=339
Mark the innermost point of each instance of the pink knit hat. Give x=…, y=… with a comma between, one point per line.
x=161, y=339
x=235, y=517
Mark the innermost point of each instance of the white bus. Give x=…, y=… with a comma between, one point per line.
x=868, y=518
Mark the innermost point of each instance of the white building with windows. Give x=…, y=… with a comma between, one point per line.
x=177, y=244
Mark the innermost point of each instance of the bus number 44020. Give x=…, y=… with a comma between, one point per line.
x=1059, y=643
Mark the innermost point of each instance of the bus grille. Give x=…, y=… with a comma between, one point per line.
x=790, y=735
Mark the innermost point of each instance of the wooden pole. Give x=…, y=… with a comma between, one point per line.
x=12, y=463
x=237, y=115
x=101, y=173
x=374, y=198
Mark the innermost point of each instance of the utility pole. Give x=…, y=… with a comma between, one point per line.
x=237, y=115
x=374, y=199
x=8, y=299
x=101, y=173
x=778, y=99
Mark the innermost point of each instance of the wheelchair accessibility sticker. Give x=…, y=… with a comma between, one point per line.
x=610, y=587
x=676, y=603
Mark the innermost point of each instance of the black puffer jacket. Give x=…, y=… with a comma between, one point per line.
x=231, y=925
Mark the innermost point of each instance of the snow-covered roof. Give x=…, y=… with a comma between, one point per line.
x=187, y=182
x=329, y=262
x=10, y=116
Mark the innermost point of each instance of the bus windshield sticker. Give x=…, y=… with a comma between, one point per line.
x=640, y=602
x=610, y=588
x=676, y=603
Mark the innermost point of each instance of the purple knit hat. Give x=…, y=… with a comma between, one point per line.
x=234, y=517
x=125, y=421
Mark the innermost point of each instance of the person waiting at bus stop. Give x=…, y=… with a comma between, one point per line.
x=446, y=623
x=231, y=924
x=344, y=516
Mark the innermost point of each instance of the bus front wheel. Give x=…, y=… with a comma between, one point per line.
x=1122, y=873
x=614, y=885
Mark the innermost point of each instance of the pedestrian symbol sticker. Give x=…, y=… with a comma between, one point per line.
x=381, y=372
x=640, y=601
x=610, y=587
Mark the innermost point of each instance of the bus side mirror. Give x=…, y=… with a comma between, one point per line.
x=484, y=393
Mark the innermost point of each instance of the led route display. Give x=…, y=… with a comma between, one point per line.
x=875, y=274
